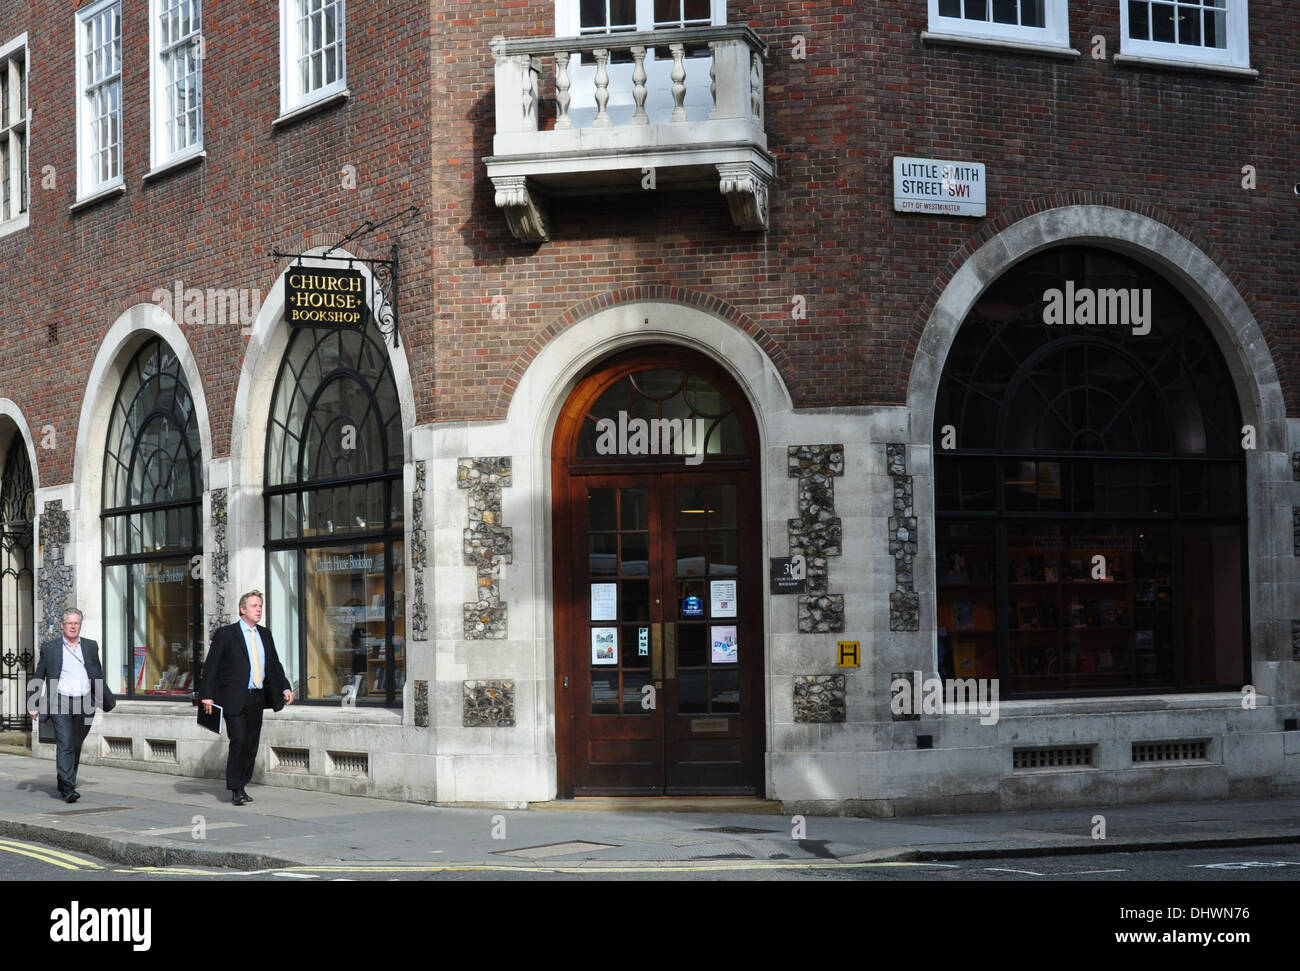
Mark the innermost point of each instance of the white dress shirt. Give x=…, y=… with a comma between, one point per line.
x=74, y=681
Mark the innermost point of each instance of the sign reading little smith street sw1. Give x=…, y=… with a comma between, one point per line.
x=939, y=188
x=316, y=297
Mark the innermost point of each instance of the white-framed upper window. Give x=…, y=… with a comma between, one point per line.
x=313, y=51
x=13, y=130
x=1198, y=31
x=99, y=97
x=577, y=17
x=1023, y=21
x=176, y=75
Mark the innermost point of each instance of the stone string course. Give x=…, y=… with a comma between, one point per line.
x=487, y=544
x=419, y=559
x=904, y=603
x=817, y=533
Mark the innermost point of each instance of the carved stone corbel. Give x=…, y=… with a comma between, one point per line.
x=525, y=210
x=746, y=187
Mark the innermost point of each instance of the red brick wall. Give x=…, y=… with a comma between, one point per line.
x=210, y=225
x=1169, y=144
x=420, y=119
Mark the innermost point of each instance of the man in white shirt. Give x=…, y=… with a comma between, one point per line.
x=70, y=665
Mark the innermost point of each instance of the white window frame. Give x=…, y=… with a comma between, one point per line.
x=291, y=97
x=160, y=150
x=87, y=184
x=1236, y=54
x=568, y=17
x=1054, y=33
x=18, y=128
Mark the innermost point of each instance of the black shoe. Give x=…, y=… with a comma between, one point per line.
x=72, y=795
x=245, y=796
x=236, y=797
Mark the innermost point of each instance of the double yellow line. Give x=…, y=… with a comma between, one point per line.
x=53, y=857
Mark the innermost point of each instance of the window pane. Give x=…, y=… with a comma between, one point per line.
x=1138, y=12
x=281, y=617
x=165, y=627
x=117, y=644
x=1162, y=22
x=1212, y=585
x=346, y=603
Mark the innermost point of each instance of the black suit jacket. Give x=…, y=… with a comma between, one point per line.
x=50, y=668
x=226, y=670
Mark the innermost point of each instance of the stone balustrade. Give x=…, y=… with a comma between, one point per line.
x=660, y=108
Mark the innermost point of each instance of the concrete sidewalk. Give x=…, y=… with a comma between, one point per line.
x=151, y=819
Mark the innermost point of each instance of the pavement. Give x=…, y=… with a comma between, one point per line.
x=141, y=818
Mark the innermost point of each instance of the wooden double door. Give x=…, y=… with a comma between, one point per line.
x=658, y=613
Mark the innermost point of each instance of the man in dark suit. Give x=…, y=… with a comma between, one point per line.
x=70, y=665
x=242, y=674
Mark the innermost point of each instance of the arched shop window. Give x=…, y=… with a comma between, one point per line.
x=1089, y=487
x=17, y=606
x=152, y=506
x=334, y=517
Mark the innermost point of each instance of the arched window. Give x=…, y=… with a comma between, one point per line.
x=334, y=525
x=152, y=526
x=17, y=634
x=1089, y=487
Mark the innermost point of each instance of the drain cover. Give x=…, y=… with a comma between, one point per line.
x=737, y=830
x=556, y=849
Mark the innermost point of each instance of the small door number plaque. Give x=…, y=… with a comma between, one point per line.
x=789, y=574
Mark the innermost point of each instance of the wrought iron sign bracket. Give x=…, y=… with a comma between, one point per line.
x=383, y=274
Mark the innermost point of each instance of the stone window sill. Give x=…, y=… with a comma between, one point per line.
x=175, y=165
x=1021, y=47
x=307, y=110
x=102, y=195
x=1197, y=67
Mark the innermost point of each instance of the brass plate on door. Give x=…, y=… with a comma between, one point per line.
x=709, y=724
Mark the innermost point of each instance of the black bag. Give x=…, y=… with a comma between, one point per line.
x=45, y=729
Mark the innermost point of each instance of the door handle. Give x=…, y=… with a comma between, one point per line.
x=670, y=649
x=657, y=651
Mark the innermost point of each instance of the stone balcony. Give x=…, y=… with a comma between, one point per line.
x=632, y=111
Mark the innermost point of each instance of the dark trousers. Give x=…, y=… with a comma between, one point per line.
x=70, y=731
x=245, y=731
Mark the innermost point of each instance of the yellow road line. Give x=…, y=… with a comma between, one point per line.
x=38, y=856
x=88, y=864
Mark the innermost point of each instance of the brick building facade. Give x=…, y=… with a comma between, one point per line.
x=752, y=252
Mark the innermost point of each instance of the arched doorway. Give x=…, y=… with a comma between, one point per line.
x=658, y=583
x=1089, y=487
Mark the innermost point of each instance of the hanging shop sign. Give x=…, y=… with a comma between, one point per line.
x=325, y=297
x=939, y=188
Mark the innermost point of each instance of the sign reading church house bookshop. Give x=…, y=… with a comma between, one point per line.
x=939, y=188
x=316, y=297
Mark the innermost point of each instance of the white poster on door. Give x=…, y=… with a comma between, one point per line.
x=722, y=598
x=604, y=601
